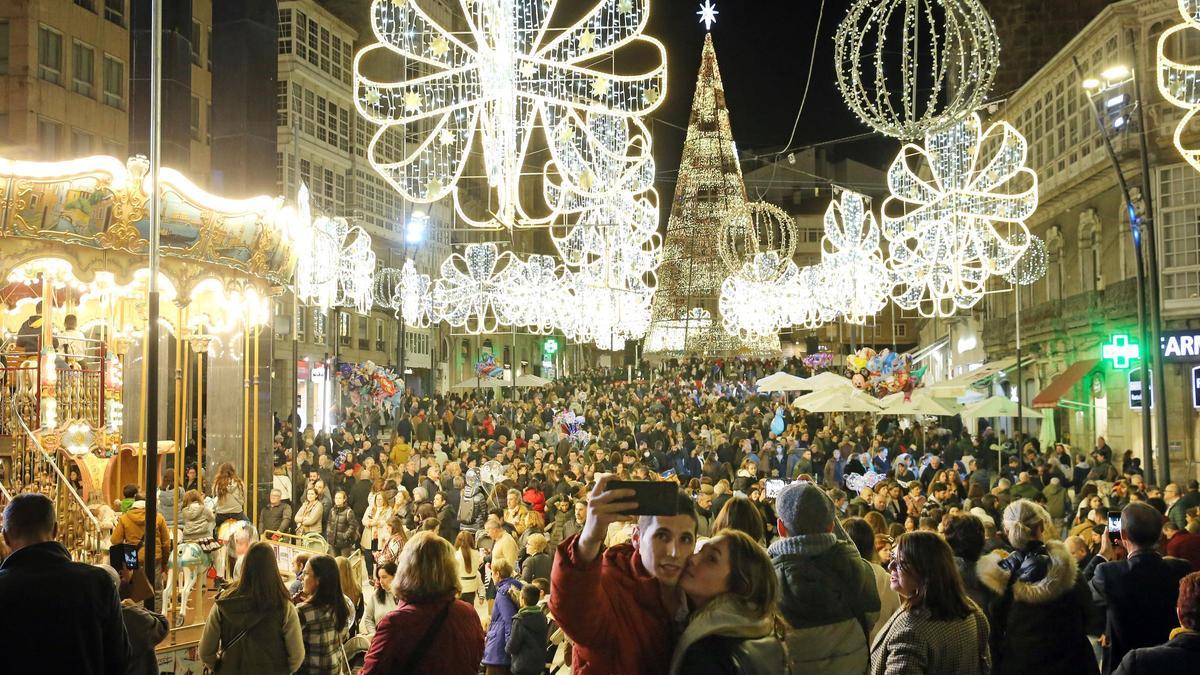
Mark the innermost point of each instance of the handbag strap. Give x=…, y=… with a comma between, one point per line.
x=426, y=639
x=242, y=634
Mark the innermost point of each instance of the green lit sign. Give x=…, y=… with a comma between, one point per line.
x=1121, y=351
x=550, y=347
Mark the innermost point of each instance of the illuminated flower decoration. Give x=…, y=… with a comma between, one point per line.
x=1178, y=82
x=512, y=66
x=857, y=279
x=529, y=292
x=471, y=284
x=603, y=312
x=608, y=180
x=316, y=258
x=355, y=267
x=806, y=299
x=416, y=296
x=753, y=303
x=957, y=217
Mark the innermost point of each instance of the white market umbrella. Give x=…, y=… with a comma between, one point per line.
x=841, y=400
x=781, y=381
x=825, y=380
x=998, y=406
x=921, y=402
x=1048, y=435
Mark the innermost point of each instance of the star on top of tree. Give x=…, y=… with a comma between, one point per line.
x=708, y=14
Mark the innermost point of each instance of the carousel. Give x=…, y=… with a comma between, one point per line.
x=74, y=276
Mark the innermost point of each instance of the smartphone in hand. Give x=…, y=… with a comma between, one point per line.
x=654, y=498
x=1114, y=527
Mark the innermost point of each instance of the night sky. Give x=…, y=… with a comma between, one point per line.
x=763, y=49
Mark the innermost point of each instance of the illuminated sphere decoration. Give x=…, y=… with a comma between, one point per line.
x=1178, y=82
x=906, y=67
x=1031, y=266
x=760, y=228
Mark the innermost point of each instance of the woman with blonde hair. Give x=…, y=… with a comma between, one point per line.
x=375, y=520
x=733, y=589
x=430, y=631
x=350, y=587
x=938, y=630
x=1039, y=622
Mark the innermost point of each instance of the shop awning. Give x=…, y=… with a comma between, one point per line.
x=1061, y=385
x=961, y=384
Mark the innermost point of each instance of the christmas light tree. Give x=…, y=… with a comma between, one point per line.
x=709, y=193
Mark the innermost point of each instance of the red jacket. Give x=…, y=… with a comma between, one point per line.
x=1187, y=546
x=536, y=500
x=456, y=649
x=613, y=610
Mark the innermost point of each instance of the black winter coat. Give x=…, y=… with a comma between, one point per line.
x=1180, y=656
x=341, y=529
x=59, y=616
x=1043, y=627
x=527, y=642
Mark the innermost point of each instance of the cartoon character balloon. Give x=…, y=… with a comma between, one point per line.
x=882, y=373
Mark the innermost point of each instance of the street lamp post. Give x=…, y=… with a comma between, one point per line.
x=1140, y=225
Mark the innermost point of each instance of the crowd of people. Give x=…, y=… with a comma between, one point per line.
x=798, y=542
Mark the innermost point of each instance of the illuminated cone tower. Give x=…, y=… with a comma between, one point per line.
x=709, y=192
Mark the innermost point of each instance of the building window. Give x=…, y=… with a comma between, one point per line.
x=285, y=31
x=343, y=328
x=380, y=336
x=319, y=327
x=89, y=5
x=899, y=330
x=197, y=33
x=50, y=138
x=114, y=82
x=301, y=315
x=1179, y=234
x=83, y=74
x=364, y=335
x=50, y=55
x=3, y=47
x=82, y=143
x=195, y=118
x=114, y=11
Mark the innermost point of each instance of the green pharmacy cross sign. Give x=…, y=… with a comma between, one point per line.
x=1121, y=351
x=550, y=347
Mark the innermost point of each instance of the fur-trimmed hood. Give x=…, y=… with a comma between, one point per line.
x=1059, y=579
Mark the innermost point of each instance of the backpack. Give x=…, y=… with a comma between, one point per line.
x=468, y=508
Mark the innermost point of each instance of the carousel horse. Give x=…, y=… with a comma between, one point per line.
x=236, y=536
x=192, y=561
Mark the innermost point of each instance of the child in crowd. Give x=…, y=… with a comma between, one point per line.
x=298, y=569
x=527, y=642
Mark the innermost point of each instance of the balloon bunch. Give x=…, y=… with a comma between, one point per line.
x=571, y=425
x=882, y=373
x=488, y=368
x=370, y=384
x=818, y=361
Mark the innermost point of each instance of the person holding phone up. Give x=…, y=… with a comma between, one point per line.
x=620, y=605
